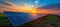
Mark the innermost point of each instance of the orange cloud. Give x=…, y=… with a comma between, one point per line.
x=26, y=8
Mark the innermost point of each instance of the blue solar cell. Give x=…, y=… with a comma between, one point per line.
x=18, y=18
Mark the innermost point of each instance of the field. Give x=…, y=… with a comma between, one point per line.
x=52, y=20
x=3, y=19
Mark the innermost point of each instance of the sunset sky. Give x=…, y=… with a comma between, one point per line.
x=32, y=2
x=17, y=5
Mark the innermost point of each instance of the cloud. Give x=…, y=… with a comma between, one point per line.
x=5, y=2
x=6, y=6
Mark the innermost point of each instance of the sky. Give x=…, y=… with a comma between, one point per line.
x=32, y=2
x=13, y=5
x=40, y=2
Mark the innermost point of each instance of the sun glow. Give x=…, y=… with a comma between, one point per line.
x=36, y=1
x=34, y=11
x=25, y=8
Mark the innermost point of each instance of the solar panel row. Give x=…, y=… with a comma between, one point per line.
x=18, y=18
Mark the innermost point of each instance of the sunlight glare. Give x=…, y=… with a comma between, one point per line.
x=36, y=1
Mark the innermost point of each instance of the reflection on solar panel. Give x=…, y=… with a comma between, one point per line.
x=18, y=18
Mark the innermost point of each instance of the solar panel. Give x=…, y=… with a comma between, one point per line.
x=18, y=18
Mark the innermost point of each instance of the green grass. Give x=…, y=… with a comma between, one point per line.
x=52, y=21
x=54, y=18
x=3, y=19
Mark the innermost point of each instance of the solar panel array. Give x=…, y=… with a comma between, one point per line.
x=18, y=18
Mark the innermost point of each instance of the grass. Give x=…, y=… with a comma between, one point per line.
x=54, y=18
x=3, y=19
x=52, y=21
